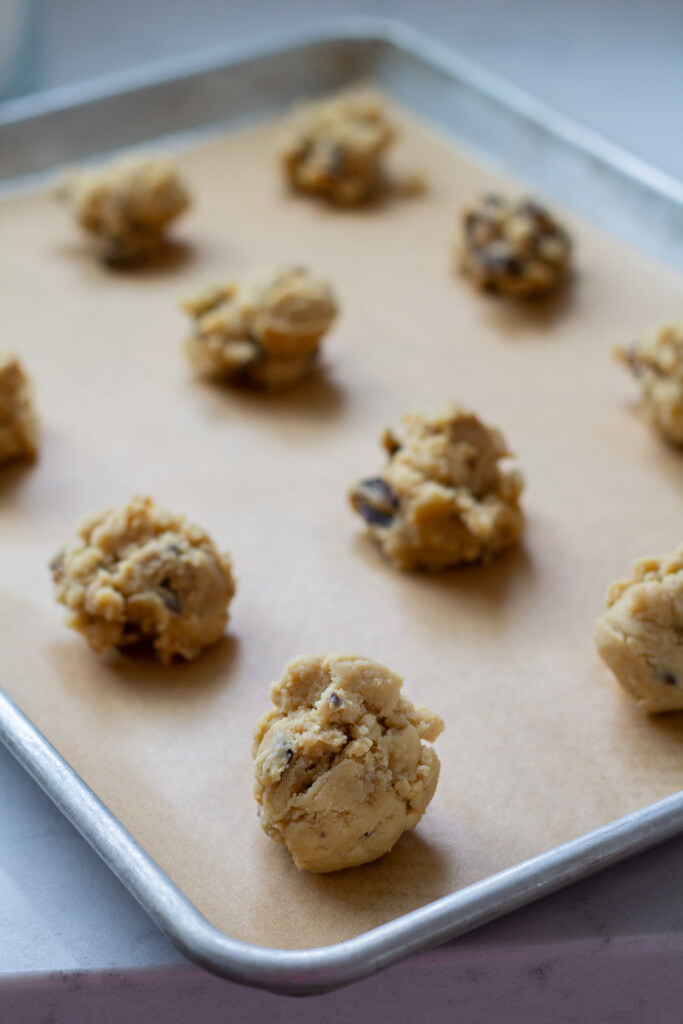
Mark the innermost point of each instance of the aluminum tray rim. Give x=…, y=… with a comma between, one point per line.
x=321, y=969
x=351, y=28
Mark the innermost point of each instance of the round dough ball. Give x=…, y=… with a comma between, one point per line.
x=443, y=498
x=140, y=573
x=639, y=636
x=513, y=248
x=656, y=361
x=18, y=424
x=335, y=148
x=341, y=770
x=126, y=206
x=264, y=330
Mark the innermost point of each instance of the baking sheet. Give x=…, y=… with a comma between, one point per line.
x=540, y=746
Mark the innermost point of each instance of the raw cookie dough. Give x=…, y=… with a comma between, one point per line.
x=18, y=425
x=335, y=148
x=126, y=206
x=340, y=768
x=513, y=248
x=639, y=636
x=443, y=497
x=657, y=363
x=263, y=330
x=140, y=573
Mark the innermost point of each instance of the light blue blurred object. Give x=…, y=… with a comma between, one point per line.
x=18, y=46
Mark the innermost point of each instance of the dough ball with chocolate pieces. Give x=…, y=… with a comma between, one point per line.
x=639, y=636
x=446, y=494
x=513, y=248
x=263, y=330
x=18, y=424
x=140, y=573
x=335, y=148
x=340, y=764
x=126, y=206
x=656, y=362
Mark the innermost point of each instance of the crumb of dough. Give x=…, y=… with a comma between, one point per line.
x=341, y=770
x=335, y=148
x=513, y=248
x=126, y=206
x=656, y=362
x=639, y=636
x=443, y=497
x=18, y=424
x=263, y=330
x=140, y=573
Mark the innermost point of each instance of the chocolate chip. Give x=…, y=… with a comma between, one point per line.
x=173, y=549
x=368, y=834
x=283, y=756
x=169, y=596
x=336, y=161
x=57, y=567
x=537, y=213
x=390, y=442
x=375, y=501
x=260, y=353
x=667, y=677
x=514, y=267
x=471, y=221
x=335, y=701
x=503, y=265
x=303, y=150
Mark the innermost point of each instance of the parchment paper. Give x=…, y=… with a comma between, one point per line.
x=540, y=744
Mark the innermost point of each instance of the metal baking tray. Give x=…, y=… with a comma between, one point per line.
x=179, y=101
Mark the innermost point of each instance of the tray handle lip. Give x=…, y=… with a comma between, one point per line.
x=322, y=969
x=371, y=30
x=348, y=28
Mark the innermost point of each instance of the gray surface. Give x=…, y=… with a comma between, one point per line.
x=613, y=65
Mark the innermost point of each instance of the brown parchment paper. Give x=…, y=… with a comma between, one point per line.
x=540, y=744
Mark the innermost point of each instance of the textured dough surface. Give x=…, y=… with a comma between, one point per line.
x=126, y=206
x=335, y=148
x=341, y=770
x=443, y=498
x=140, y=573
x=640, y=636
x=513, y=248
x=18, y=425
x=656, y=361
x=263, y=330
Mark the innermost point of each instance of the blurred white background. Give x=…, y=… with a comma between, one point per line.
x=614, y=65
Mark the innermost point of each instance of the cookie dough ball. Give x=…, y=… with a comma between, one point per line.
x=263, y=330
x=639, y=636
x=126, y=206
x=443, y=498
x=341, y=769
x=513, y=248
x=335, y=148
x=140, y=573
x=657, y=363
x=18, y=425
